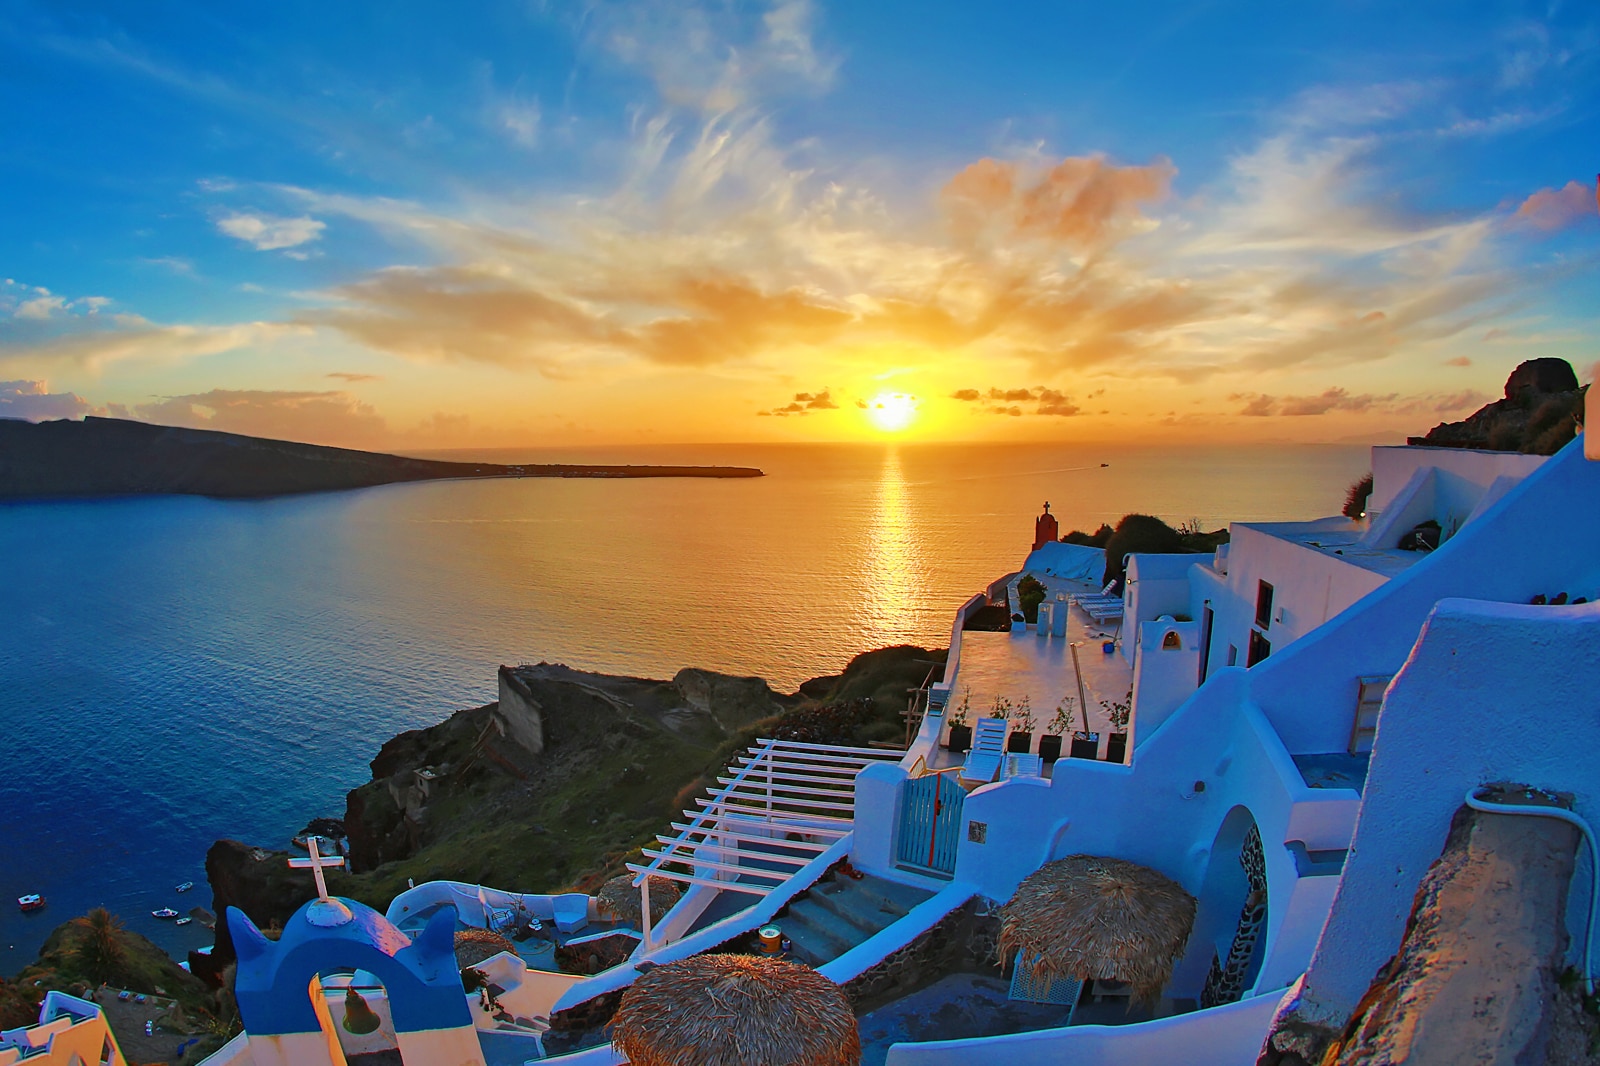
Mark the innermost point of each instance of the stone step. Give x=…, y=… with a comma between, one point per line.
x=862, y=908
x=818, y=934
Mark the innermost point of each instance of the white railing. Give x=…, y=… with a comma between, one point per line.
x=774, y=810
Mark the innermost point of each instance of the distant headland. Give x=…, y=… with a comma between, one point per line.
x=117, y=457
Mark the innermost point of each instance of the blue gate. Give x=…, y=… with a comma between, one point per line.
x=930, y=823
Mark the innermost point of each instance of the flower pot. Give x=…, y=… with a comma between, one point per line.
x=960, y=738
x=1085, y=745
x=1019, y=743
x=1117, y=747
x=1050, y=747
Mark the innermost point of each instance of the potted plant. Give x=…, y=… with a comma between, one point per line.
x=1050, y=743
x=960, y=735
x=1118, y=714
x=1085, y=743
x=1020, y=739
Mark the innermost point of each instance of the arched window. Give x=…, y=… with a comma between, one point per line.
x=1171, y=642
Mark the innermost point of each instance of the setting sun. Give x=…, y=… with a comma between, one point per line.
x=892, y=411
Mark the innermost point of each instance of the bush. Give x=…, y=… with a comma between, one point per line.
x=1355, y=499
x=1097, y=539
x=1138, y=533
x=1030, y=593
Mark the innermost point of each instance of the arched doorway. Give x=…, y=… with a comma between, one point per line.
x=1232, y=916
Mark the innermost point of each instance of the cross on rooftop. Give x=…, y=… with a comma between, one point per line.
x=316, y=864
x=1047, y=507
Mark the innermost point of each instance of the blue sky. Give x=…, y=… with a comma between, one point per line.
x=374, y=224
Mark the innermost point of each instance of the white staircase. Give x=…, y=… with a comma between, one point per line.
x=774, y=810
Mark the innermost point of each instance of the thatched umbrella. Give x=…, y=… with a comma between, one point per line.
x=475, y=945
x=1108, y=919
x=618, y=899
x=734, y=1010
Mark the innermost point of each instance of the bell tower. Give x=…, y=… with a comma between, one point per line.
x=1045, y=528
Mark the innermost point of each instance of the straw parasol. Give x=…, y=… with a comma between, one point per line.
x=618, y=899
x=735, y=1010
x=1090, y=917
x=475, y=945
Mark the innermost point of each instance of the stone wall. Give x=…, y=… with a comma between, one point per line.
x=520, y=715
x=967, y=940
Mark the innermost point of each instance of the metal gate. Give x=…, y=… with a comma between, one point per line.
x=930, y=823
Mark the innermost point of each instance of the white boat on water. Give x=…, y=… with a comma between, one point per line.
x=183, y=921
x=186, y=886
x=164, y=913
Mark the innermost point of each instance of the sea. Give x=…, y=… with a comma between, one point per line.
x=175, y=670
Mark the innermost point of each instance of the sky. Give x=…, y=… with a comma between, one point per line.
x=531, y=222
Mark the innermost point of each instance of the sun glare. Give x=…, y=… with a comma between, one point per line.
x=892, y=411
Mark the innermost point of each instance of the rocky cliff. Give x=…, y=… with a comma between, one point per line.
x=1540, y=412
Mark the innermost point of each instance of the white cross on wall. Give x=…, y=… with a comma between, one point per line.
x=316, y=864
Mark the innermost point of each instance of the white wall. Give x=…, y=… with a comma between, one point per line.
x=1157, y=585
x=1491, y=692
x=1227, y=1036
x=1540, y=538
x=1163, y=677
x=1309, y=586
x=1392, y=467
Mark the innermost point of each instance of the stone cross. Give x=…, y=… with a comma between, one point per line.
x=316, y=863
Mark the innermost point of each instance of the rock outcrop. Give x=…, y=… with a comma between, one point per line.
x=1540, y=412
x=1478, y=972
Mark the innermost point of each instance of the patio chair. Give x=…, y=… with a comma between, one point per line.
x=988, y=751
x=1019, y=764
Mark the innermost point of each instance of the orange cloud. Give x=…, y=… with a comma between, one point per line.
x=1082, y=201
x=1553, y=209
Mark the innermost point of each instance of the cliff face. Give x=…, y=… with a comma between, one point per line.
x=1540, y=412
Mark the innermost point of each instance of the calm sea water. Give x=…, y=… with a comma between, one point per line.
x=174, y=670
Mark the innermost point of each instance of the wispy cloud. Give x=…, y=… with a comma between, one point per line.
x=268, y=233
x=329, y=417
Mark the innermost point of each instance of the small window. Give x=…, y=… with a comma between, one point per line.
x=1263, y=605
x=1233, y=655
x=1171, y=642
x=1260, y=648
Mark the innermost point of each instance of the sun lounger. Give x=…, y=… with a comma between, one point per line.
x=988, y=750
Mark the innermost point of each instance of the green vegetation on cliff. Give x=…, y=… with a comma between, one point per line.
x=623, y=756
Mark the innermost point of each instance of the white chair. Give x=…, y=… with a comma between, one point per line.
x=988, y=750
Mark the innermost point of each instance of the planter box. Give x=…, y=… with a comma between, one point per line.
x=1117, y=747
x=1085, y=745
x=1050, y=747
x=1019, y=743
x=960, y=738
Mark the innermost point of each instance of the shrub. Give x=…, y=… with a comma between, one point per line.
x=1097, y=539
x=1138, y=533
x=1031, y=592
x=1356, y=497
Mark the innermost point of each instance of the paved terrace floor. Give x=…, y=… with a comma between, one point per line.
x=1017, y=664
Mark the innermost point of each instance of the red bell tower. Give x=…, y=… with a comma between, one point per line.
x=1045, y=528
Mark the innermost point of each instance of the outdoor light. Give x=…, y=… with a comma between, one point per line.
x=359, y=1018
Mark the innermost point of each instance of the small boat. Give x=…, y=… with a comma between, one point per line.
x=1104, y=465
x=31, y=902
x=164, y=913
x=186, y=886
x=183, y=921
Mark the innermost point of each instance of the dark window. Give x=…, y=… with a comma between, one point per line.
x=1205, y=643
x=1233, y=655
x=1260, y=648
x=1263, y=605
